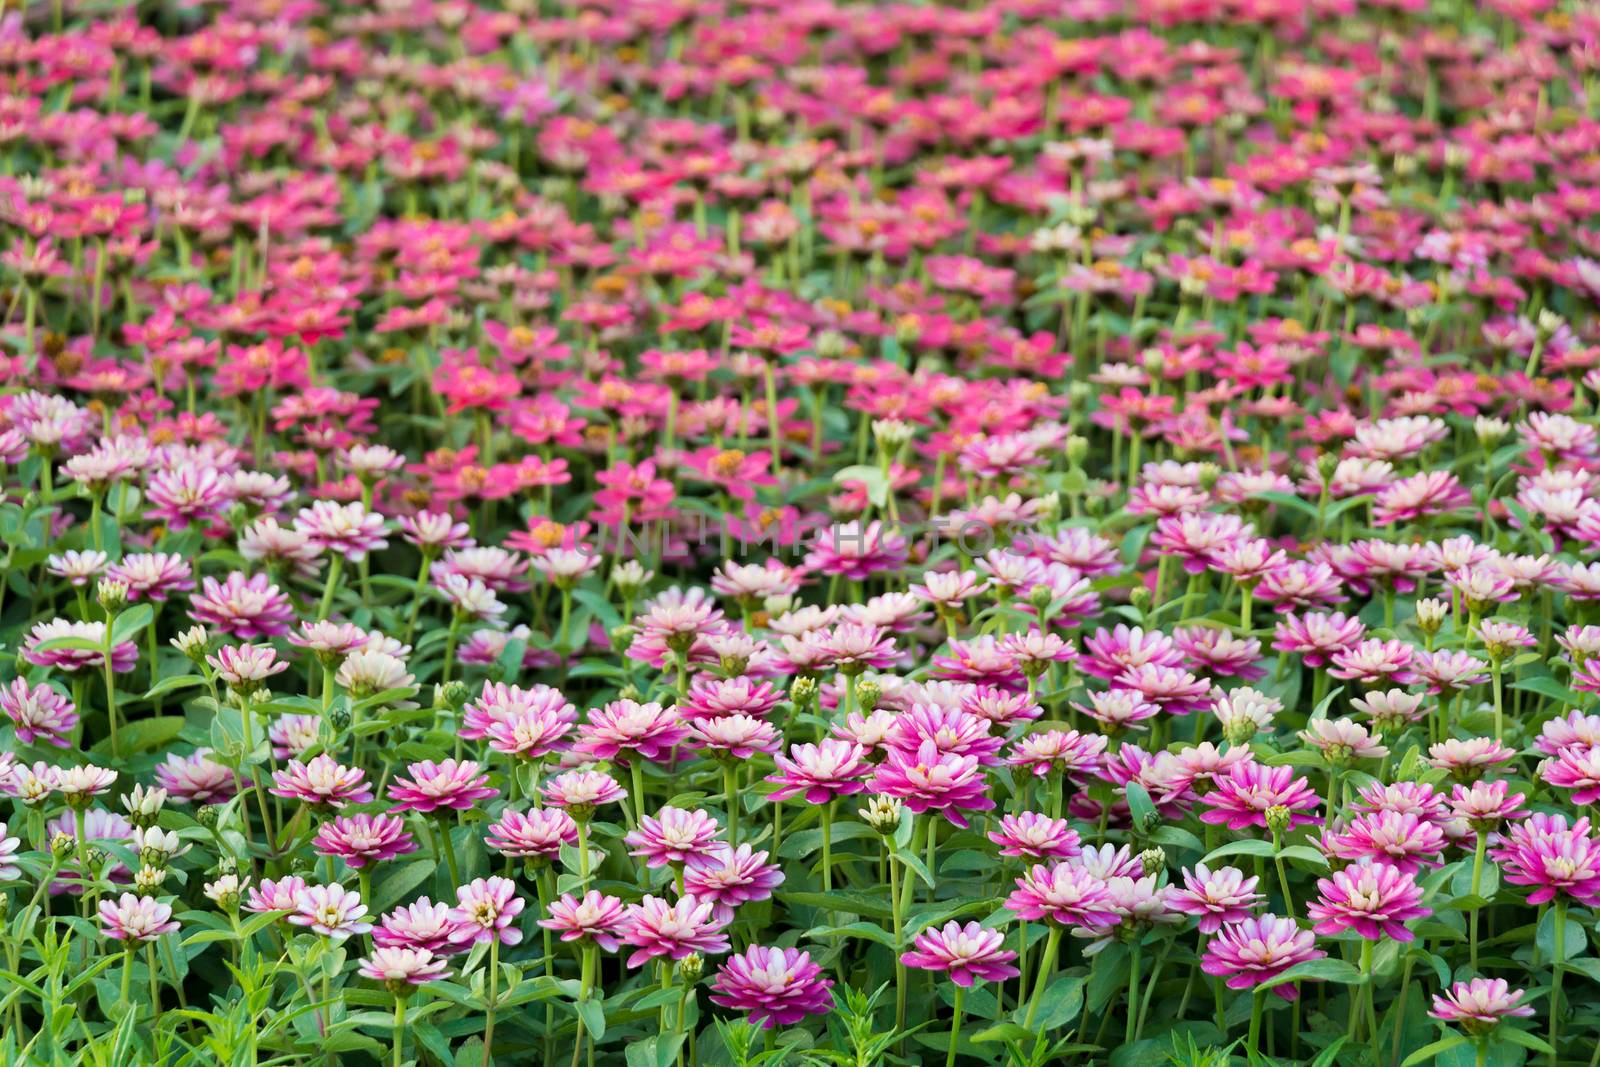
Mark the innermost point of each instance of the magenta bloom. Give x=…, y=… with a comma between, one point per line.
x=1398, y=839
x=529, y=734
x=486, y=908
x=1256, y=950
x=1373, y=899
x=323, y=782
x=537, y=833
x=331, y=910
x=411, y=966
x=135, y=918
x=656, y=928
x=729, y=877
x=1542, y=851
x=673, y=835
x=81, y=635
x=347, y=529
x=505, y=703
x=1241, y=797
x=580, y=792
x=420, y=924
x=196, y=778
x=967, y=953
x=827, y=769
x=241, y=607
x=1065, y=893
x=1577, y=769
x=39, y=713
x=270, y=895
x=363, y=839
x=930, y=780
x=625, y=727
x=1478, y=1005
x=774, y=986
x=1221, y=896
x=446, y=784
x=597, y=917
x=1036, y=836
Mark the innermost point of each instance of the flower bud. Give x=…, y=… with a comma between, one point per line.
x=1278, y=819
x=62, y=844
x=1153, y=860
x=148, y=880
x=144, y=805
x=868, y=693
x=1077, y=450
x=194, y=643
x=691, y=967
x=882, y=813
x=113, y=595
x=803, y=692
x=1431, y=613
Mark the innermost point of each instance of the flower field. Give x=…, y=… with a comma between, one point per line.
x=748, y=534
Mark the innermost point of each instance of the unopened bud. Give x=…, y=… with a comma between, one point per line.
x=803, y=692
x=868, y=693
x=113, y=594
x=691, y=967
x=1278, y=819
x=1431, y=613
x=882, y=813
x=1153, y=860
x=148, y=880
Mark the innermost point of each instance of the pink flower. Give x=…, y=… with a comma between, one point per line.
x=1065, y=893
x=539, y=833
x=1478, y=1005
x=855, y=551
x=39, y=713
x=967, y=953
x=733, y=737
x=580, y=792
x=1397, y=839
x=279, y=895
x=1035, y=836
x=331, y=910
x=1242, y=796
x=81, y=647
x=930, y=780
x=529, y=733
x=135, y=918
x=245, y=608
x=505, y=703
x=597, y=917
x=625, y=727
x=1221, y=896
x=446, y=784
x=1542, y=851
x=349, y=530
x=196, y=778
x=821, y=771
x=1375, y=900
x=421, y=924
x=656, y=928
x=486, y=908
x=1256, y=950
x=322, y=782
x=1059, y=750
x=675, y=836
x=363, y=839
x=729, y=877
x=407, y=966
x=774, y=986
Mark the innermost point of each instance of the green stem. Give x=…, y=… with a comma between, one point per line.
x=399, y=1028
x=1558, y=968
x=1047, y=964
x=493, y=996
x=335, y=569
x=955, y=1028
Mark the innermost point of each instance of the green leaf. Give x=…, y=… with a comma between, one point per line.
x=1438, y=1048
x=1247, y=847
x=129, y=624
x=1003, y=1032
x=1573, y=936
x=864, y=930
x=658, y=1051
x=399, y=883
x=593, y=1015
x=1523, y=1038
x=872, y=478
x=840, y=901
x=171, y=682
x=1323, y=970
